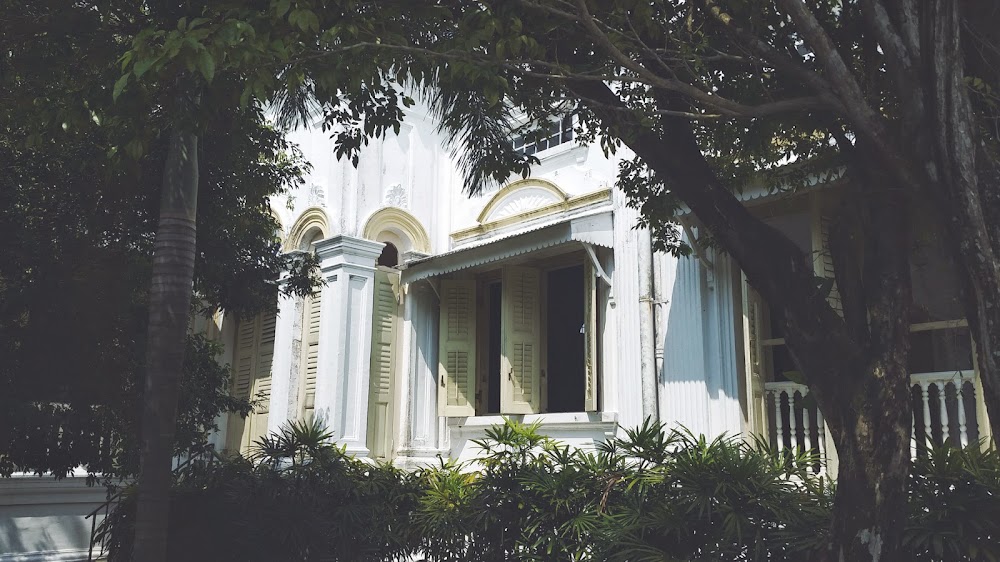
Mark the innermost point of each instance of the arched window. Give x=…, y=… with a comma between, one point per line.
x=389, y=256
x=309, y=355
x=311, y=227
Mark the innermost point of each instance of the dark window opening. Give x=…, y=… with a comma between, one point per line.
x=566, y=347
x=493, y=337
x=389, y=256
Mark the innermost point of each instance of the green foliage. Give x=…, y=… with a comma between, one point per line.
x=300, y=498
x=57, y=437
x=648, y=495
x=79, y=196
x=955, y=505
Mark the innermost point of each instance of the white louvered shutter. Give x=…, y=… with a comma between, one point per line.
x=243, y=366
x=457, y=349
x=384, y=314
x=261, y=388
x=310, y=344
x=520, y=383
x=822, y=260
x=753, y=308
x=590, y=335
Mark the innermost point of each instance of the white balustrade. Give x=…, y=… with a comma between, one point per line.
x=943, y=398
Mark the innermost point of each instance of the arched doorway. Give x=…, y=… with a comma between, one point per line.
x=401, y=233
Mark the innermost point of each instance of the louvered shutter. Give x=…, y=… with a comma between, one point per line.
x=457, y=349
x=753, y=308
x=590, y=335
x=311, y=346
x=822, y=260
x=243, y=367
x=382, y=364
x=261, y=388
x=520, y=382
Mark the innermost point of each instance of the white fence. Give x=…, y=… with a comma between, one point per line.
x=944, y=411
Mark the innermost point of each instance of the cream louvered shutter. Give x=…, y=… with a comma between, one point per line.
x=590, y=335
x=520, y=383
x=457, y=353
x=822, y=260
x=261, y=387
x=384, y=313
x=311, y=330
x=753, y=308
x=243, y=368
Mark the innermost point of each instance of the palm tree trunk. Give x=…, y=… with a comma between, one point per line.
x=169, y=310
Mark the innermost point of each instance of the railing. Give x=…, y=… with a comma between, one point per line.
x=180, y=462
x=796, y=423
x=944, y=411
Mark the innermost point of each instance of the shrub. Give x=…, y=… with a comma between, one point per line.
x=649, y=495
x=297, y=498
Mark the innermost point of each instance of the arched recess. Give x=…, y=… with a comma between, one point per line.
x=520, y=196
x=398, y=227
x=311, y=226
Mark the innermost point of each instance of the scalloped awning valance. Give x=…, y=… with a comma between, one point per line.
x=596, y=229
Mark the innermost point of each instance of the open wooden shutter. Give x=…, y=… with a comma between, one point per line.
x=382, y=364
x=311, y=346
x=457, y=349
x=753, y=308
x=822, y=260
x=261, y=388
x=520, y=393
x=590, y=335
x=243, y=369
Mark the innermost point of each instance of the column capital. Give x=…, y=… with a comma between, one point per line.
x=341, y=250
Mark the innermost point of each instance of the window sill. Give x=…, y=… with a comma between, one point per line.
x=571, y=421
x=559, y=150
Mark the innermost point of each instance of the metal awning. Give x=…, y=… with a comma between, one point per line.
x=596, y=229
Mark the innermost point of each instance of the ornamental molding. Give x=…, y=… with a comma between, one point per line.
x=312, y=219
x=522, y=213
x=519, y=197
x=400, y=222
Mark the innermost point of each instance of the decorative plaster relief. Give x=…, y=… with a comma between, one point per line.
x=395, y=196
x=524, y=200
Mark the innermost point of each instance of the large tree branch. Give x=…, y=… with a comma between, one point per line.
x=770, y=55
x=771, y=261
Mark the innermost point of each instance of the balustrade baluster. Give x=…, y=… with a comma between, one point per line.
x=793, y=440
x=820, y=432
x=913, y=436
x=925, y=399
x=805, y=430
x=942, y=394
x=780, y=435
x=963, y=433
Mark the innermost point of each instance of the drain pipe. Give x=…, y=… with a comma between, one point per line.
x=647, y=330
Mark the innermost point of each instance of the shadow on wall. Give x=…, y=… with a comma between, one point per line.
x=699, y=326
x=27, y=531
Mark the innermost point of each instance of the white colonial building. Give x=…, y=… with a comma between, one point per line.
x=441, y=313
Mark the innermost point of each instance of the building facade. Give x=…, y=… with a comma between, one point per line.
x=442, y=312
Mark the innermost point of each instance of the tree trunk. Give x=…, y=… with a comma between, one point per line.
x=873, y=447
x=950, y=145
x=855, y=367
x=169, y=310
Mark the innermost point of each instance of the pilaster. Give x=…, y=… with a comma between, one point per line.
x=348, y=267
x=419, y=443
x=282, y=374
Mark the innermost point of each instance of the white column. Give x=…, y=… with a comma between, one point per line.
x=282, y=362
x=420, y=431
x=348, y=266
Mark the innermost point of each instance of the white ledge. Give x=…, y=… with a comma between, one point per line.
x=581, y=421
